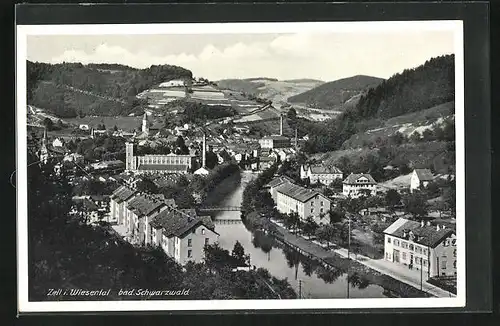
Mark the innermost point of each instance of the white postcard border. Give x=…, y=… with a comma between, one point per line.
x=23, y=31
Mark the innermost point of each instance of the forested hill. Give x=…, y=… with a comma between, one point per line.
x=69, y=88
x=331, y=95
x=412, y=90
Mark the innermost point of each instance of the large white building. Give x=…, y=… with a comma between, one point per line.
x=320, y=174
x=150, y=163
x=356, y=185
x=305, y=202
x=422, y=246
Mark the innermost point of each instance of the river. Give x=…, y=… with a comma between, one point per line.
x=315, y=282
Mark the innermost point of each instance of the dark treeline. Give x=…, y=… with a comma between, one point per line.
x=195, y=112
x=410, y=91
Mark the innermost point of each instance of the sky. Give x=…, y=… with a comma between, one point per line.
x=325, y=56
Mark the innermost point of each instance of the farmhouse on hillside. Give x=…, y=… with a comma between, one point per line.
x=356, y=185
x=420, y=178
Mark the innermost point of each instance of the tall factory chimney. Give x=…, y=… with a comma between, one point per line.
x=204, y=150
x=296, y=142
x=281, y=125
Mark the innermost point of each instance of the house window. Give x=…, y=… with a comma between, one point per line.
x=190, y=253
x=202, y=231
x=453, y=242
x=312, y=210
x=189, y=243
x=404, y=255
x=411, y=247
x=446, y=243
x=312, y=203
x=425, y=251
x=388, y=240
x=396, y=242
x=443, y=264
x=321, y=210
x=194, y=231
x=424, y=262
x=455, y=253
x=455, y=264
x=418, y=260
x=321, y=203
x=386, y=255
x=206, y=241
x=405, y=245
x=418, y=249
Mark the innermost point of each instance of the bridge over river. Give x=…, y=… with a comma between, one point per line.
x=223, y=218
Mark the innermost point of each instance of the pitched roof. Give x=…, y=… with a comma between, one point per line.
x=177, y=222
x=165, y=167
x=427, y=235
x=276, y=137
x=277, y=181
x=353, y=178
x=144, y=204
x=122, y=193
x=424, y=174
x=297, y=192
x=320, y=169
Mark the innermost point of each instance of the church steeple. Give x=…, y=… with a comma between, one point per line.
x=145, y=123
x=44, y=151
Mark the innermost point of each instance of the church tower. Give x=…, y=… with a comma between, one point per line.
x=129, y=156
x=145, y=123
x=44, y=152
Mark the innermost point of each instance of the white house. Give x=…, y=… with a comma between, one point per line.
x=356, y=185
x=182, y=234
x=84, y=127
x=422, y=246
x=275, y=183
x=58, y=142
x=305, y=202
x=420, y=178
x=320, y=174
x=173, y=83
x=202, y=171
x=73, y=157
x=275, y=141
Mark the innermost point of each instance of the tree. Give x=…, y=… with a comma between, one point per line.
x=211, y=160
x=310, y=226
x=145, y=184
x=48, y=123
x=325, y=233
x=416, y=205
x=415, y=137
x=216, y=257
x=392, y=198
x=238, y=254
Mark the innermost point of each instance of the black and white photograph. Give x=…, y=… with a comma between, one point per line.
x=216, y=166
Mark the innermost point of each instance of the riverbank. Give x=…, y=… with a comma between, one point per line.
x=336, y=260
x=222, y=190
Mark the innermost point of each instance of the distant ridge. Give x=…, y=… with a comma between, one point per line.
x=331, y=95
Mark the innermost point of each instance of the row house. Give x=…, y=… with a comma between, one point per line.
x=422, y=246
x=119, y=200
x=275, y=183
x=356, y=185
x=305, y=202
x=320, y=174
x=274, y=141
x=140, y=211
x=182, y=234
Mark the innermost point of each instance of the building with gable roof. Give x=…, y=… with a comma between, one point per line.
x=422, y=246
x=420, y=178
x=291, y=198
x=275, y=183
x=318, y=173
x=182, y=234
x=356, y=185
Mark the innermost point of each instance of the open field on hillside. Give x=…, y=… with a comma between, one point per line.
x=405, y=124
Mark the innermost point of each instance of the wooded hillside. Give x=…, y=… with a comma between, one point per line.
x=103, y=83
